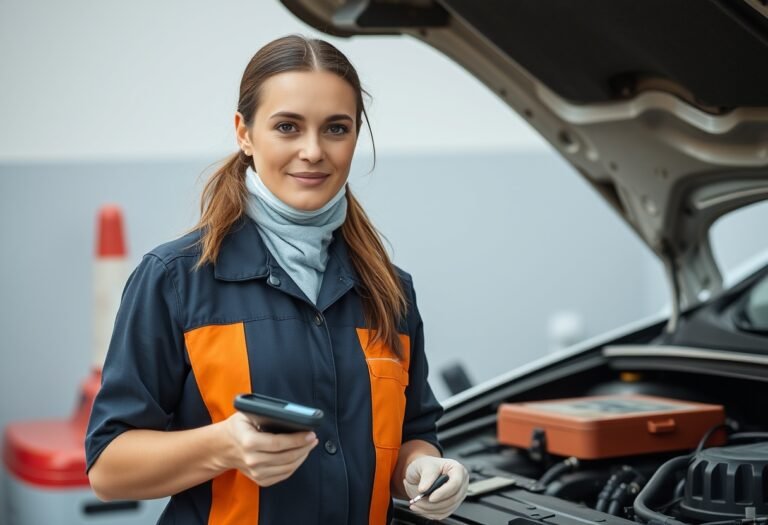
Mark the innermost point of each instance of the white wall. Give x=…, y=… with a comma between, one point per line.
x=109, y=79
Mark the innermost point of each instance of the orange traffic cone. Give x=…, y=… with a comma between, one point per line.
x=110, y=271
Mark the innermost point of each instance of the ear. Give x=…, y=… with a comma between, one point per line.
x=241, y=132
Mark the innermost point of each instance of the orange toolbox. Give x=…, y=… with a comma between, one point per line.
x=609, y=426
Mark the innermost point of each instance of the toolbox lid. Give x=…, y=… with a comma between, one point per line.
x=596, y=412
x=46, y=453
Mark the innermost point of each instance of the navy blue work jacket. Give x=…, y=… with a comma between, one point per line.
x=186, y=342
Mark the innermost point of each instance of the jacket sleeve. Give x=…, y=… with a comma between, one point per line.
x=422, y=409
x=144, y=370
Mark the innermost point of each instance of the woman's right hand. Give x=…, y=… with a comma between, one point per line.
x=265, y=458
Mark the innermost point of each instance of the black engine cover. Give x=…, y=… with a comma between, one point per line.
x=724, y=482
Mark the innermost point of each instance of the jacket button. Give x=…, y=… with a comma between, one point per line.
x=273, y=280
x=330, y=447
x=318, y=319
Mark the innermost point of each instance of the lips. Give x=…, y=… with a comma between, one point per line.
x=309, y=175
x=310, y=178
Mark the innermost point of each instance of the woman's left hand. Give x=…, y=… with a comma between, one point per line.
x=422, y=472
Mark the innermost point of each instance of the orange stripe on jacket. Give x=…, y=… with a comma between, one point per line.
x=389, y=377
x=219, y=358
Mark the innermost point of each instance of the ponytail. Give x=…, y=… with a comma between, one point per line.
x=383, y=297
x=222, y=203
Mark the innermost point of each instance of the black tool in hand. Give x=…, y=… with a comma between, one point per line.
x=439, y=482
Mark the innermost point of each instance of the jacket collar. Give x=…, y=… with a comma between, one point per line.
x=243, y=255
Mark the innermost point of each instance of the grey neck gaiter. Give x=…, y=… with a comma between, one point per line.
x=297, y=239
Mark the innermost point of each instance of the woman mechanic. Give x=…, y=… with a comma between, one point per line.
x=283, y=288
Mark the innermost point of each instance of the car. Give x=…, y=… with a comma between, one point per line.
x=662, y=107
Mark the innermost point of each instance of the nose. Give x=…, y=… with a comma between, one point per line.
x=311, y=149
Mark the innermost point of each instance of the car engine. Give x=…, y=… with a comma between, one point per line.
x=714, y=470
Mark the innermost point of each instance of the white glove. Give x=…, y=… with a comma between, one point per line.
x=420, y=475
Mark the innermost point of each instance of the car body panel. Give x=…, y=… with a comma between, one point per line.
x=665, y=116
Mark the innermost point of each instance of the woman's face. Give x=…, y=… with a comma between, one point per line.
x=303, y=136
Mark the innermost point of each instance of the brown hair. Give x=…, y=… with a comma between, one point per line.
x=224, y=196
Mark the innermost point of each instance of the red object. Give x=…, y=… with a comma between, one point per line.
x=52, y=453
x=110, y=233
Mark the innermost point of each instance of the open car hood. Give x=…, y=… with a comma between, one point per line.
x=662, y=106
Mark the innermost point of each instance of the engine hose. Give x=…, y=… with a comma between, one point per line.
x=616, y=499
x=738, y=436
x=651, y=493
x=610, y=485
x=624, y=494
x=557, y=470
x=679, y=488
x=728, y=425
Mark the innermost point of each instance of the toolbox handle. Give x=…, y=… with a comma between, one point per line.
x=662, y=426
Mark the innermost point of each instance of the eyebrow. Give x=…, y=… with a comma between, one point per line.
x=296, y=116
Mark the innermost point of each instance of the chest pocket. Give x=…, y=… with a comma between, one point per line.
x=388, y=382
x=389, y=378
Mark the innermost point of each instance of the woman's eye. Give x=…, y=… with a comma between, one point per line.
x=285, y=127
x=337, y=129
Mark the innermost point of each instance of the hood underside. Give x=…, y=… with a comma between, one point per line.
x=661, y=105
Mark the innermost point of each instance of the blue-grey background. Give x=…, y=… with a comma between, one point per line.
x=130, y=103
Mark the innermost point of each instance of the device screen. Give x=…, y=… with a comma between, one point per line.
x=300, y=409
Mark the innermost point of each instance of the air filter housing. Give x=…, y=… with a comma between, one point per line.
x=725, y=483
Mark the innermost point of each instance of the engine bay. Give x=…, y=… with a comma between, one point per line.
x=714, y=475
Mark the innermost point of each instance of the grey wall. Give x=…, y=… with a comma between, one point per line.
x=496, y=243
